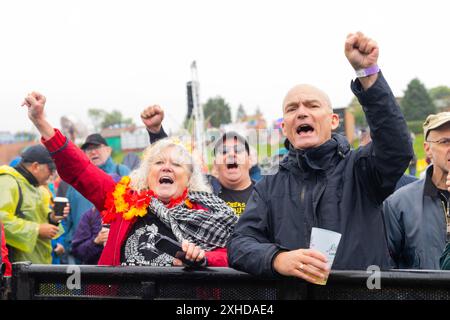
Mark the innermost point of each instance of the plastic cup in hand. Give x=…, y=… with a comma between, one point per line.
x=59, y=205
x=326, y=242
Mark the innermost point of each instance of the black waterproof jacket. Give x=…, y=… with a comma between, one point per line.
x=331, y=187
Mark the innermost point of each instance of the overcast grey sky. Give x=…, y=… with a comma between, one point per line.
x=128, y=54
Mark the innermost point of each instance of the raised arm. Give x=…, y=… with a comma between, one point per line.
x=362, y=53
x=386, y=159
x=152, y=118
x=72, y=164
x=36, y=103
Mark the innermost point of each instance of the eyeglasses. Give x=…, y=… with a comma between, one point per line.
x=442, y=142
x=237, y=148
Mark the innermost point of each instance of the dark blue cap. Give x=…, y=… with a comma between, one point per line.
x=95, y=139
x=38, y=153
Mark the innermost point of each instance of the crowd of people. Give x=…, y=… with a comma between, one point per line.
x=235, y=218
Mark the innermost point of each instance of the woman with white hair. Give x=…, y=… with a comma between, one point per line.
x=165, y=200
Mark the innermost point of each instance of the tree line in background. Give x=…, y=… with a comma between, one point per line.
x=416, y=104
x=102, y=119
x=216, y=112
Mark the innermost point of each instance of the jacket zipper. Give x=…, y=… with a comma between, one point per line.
x=302, y=200
x=302, y=195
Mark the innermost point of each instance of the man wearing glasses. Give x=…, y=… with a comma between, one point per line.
x=232, y=164
x=99, y=153
x=417, y=215
x=24, y=207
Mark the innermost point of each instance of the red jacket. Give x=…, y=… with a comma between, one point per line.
x=5, y=258
x=94, y=184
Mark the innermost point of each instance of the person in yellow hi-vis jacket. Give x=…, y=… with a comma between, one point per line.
x=28, y=221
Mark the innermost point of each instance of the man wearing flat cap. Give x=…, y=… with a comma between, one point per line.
x=99, y=152
x=417, y=215
x=25, y=207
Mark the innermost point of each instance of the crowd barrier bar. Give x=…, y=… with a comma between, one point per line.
x=48, y=282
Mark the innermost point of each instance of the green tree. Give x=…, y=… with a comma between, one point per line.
x=25, y=136
x=356, y=109
x=240, y=114
x=441, y=92
x=417, y=103
x=115, y=118
x=96, y=116
x=103, y=119
x=217, y=111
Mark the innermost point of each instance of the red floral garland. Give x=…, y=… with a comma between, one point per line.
x=131, y=203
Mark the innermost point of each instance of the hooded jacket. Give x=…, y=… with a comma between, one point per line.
x=331, y=187
x=22, y=232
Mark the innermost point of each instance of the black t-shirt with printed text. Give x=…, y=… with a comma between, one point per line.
x=236, y=199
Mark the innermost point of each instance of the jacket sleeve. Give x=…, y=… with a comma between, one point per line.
x=394, y=229
x=21, y=234
x=123, y=170
x=4, y=253
x=250, y=248
x=217, y=257
x=83, y=246
x=75, y=168
x=385, y=160
x=153, y=137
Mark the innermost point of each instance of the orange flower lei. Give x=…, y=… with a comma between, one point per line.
x=131, y=203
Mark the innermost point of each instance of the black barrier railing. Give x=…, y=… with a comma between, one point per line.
x=99, y=282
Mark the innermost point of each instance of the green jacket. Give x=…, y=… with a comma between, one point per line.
x=23, y=233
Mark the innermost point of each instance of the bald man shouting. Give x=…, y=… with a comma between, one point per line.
x=324, y=183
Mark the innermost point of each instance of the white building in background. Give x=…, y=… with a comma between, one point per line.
x=134, y=140
x=6, y=137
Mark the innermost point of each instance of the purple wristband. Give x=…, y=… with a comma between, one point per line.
x=361, y=73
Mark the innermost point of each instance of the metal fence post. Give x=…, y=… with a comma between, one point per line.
x=22, y=288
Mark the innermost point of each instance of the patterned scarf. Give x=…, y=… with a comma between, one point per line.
x=208, y=229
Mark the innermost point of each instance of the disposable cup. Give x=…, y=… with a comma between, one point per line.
x=59, y=205
x=326, y=242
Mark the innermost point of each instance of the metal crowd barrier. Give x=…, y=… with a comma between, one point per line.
x=48, y=282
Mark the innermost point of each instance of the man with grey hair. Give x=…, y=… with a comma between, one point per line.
x=417, y=215
x=323, y=183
